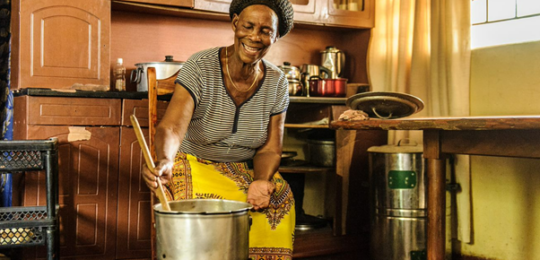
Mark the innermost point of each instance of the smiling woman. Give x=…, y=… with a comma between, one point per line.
x=222, y=134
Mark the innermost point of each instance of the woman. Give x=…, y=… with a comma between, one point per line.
x=228, y=112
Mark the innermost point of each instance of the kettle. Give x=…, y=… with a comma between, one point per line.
x=334, y=60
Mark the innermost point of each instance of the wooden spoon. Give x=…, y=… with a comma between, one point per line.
x=149, y=162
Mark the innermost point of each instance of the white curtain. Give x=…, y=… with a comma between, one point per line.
x=422, y=47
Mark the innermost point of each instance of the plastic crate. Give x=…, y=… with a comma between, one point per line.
x=37, y=225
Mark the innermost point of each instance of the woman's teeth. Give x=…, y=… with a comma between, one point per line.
x=249, y=49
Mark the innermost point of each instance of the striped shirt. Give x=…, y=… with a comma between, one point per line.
x=219, y=130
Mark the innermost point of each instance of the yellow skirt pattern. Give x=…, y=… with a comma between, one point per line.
x=271, y=234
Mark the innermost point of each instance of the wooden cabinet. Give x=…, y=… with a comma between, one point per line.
x=88, y=169
x=180, y=3
x=134, y=205
x=356, y=13
x=105, y=210
x=353, y=13
x=57, y=43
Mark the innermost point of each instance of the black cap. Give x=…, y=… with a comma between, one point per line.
x=283, y=9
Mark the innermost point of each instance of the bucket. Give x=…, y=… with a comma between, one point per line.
x=399, y=206
x=203, y=229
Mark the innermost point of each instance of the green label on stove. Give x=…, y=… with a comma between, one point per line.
x=402, y=179
x=419, y=255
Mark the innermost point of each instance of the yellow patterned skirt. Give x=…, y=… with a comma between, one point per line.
x=271, y=234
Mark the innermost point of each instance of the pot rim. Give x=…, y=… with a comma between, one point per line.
x=243, y=207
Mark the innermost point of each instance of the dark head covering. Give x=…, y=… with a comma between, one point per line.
x=283, y=9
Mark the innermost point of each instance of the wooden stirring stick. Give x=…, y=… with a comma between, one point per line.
x=149, y=162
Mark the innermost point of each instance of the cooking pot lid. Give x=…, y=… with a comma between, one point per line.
x=386, y=105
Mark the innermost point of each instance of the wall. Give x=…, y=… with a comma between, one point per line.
x=505, y=80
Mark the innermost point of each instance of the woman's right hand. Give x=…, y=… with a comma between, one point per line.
x=163, y=171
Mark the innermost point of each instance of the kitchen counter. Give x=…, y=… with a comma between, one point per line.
x=85, y=94
x=510, y=136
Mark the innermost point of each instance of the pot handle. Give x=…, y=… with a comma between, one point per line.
x=325, y=70
x=314, y=78
x=380, y=116
x=136, y=75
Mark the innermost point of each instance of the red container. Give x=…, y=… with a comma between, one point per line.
x=327, y=87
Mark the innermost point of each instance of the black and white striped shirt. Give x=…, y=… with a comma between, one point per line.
x=219, y=130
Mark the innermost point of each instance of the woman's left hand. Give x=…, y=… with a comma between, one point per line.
x=259, y=193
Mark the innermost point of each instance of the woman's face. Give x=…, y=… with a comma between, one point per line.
x=255, y=30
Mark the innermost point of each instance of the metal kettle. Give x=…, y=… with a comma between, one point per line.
x=333, y=59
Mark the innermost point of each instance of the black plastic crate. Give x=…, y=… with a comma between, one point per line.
x=37, y=225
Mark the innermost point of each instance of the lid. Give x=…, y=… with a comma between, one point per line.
x=386, y=105
x=330, y=49
x=399, y=148
x=169, y=60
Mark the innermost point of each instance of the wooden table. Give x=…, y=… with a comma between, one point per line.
x=509, y=136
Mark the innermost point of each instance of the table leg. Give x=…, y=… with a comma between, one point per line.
x=436, y=208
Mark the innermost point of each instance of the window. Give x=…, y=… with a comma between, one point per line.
x=499, y=22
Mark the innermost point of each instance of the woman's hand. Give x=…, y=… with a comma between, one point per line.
x=163, y=171
x=259, y=193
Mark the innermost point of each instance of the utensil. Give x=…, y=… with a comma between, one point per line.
x=198, y=229
x=333, y=59
x=164, y=69
x=327, y=87
x=309, y=70
x=386, y=105
x=295, y=88
x=149, y=162
x=290, y=71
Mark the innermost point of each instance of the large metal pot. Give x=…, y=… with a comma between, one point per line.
x=164, y=70
x=203, y=229
x=399, y=207
x=322, y=152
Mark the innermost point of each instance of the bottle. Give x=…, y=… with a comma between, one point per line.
x=120, y=75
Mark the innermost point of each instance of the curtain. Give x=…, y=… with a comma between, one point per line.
x=422, y=47
x=6, y=96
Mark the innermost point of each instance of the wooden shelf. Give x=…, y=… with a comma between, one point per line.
x=305, y=126
x=305, y=169
x=319, y=100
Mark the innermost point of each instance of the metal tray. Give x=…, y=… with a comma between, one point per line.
x=386, y=105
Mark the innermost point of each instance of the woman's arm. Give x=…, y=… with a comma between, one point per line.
x=266, y=163
x=169, y=135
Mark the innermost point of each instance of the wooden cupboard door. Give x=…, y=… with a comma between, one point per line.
x=180, y=3
x=353, y=13
x=304, y=10
x=139, y=108
x=134, y=206
x=70, y=111
x=88, y=180
x=62, y=42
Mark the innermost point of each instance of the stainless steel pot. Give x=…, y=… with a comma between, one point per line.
x=164, y=69
x=203, y=229
x=322, y=152
x=295, y=87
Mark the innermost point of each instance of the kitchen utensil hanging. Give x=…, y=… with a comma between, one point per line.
x=386, y=105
